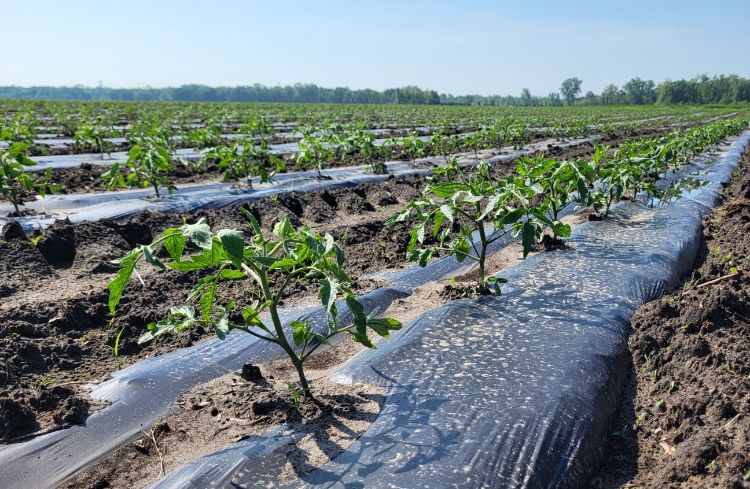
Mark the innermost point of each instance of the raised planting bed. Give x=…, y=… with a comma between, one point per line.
x=143, y=393
x=683, y=420
x=511, y=391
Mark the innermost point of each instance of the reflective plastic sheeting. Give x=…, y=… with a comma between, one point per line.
x=510, y=391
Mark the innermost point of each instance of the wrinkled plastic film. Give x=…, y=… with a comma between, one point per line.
x=510, y=391
x=128, y=203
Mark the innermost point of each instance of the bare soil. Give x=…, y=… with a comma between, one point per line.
x=229, y=409
x=684, y=419
x=232, y=408
x=87, y=177
x=55, y=331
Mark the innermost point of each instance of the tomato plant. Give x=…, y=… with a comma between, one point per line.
x=272, y=263
x=149, y=163
x=92, y=135
x=478, y=205
x=313, y=150
x=244, y=160
x=15, y=180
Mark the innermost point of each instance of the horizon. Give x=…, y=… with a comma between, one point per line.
x=451, y=49
x=148, y=87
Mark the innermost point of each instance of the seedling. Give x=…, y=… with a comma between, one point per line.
x=92, y=135
x=476, y=203
x=271, y=263
x=313, y=150
x=243, y=160
x=15, y=181
x=149, y=163
x=364, y=144
x=116, y=348
x=206, y=137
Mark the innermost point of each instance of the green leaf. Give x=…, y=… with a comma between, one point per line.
x=447, y=211
x=230, y=274
x=151, y=259
x=358, y=313
x=461, y=248
x=118, y=284
x=400, y=217
x=250, y=218
x=283, y=228
x=284, y=263
x=383, y=326
x=561, y=229
x=328, y=293
x=251, y=317
x=528, y=237
x=301, y=333
x=174, y=242
x=221, y=327
x=446, y=190
x=233, y=242
x=207, y=301
x=198, y=233
x=179, y=318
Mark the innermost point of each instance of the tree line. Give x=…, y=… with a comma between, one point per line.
x=299, y=93
x=723, y=89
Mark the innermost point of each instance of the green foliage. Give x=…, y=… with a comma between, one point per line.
x=364, y=143
x=461, y=212
x=272, y=263
x=484, y=209
x=313, y=151
x=19, y=129
x=244, y=160
x=206, y=137
x=92, y=135
x=15, y=180
x=149, y=163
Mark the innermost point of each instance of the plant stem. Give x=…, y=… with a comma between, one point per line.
x=482, y=252
x=278, y=327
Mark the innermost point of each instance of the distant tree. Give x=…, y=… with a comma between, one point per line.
x=590, y=98
x=611, y=95
x=638, y=92
x=553, y=99
x=570, y=89
x=526, y=98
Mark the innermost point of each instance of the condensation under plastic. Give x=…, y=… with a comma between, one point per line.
x=510, y=391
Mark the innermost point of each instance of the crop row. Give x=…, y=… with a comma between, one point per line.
x=151, y=158
x=461, y=213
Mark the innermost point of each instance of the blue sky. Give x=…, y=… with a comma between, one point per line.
x=459, y=46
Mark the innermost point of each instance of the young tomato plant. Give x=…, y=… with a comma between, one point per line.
x=364, y=143
x=243, y=160
x=478, y=205
x=206, y=137
x=557, y=181
x=414, y=146
x=272, y=263
x=313, y=150
x=20, y=129
x=93, y=135
x=149, y=163
x=15, y=180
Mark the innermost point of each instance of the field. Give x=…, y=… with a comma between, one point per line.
x=323, y=282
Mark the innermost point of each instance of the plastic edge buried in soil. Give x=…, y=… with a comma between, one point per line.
x=511, y=391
